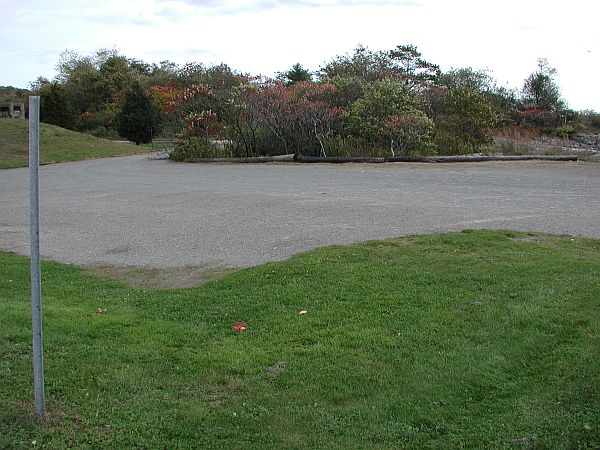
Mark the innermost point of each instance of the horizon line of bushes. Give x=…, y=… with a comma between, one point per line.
x=366, y=103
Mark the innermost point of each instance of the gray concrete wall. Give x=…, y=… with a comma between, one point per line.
x=15, y=110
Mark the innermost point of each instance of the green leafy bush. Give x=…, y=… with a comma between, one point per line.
x=388, y=116
x=565, y=131
x=198, y=148
x=465, y=123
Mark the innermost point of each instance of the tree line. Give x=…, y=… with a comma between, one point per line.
x=366, y=102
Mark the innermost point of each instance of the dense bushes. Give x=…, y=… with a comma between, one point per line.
x=382, y=103
x=588, y=121
x=199, y=148
x=388, y=115
x=465, y=122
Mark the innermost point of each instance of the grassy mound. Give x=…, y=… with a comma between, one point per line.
x=56, y=145
x=476, y=339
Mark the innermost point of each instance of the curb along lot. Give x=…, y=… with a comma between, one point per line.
x=423, y=159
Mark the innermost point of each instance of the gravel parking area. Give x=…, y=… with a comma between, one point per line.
x=133, y=211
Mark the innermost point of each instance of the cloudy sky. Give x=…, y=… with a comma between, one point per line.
x=266, y=36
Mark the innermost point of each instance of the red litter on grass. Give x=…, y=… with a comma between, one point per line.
x=239, y=326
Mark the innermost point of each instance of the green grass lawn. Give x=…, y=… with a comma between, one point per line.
x=56, y=145
x=477, y=339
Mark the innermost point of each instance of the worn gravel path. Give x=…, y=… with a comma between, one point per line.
x=136, y=211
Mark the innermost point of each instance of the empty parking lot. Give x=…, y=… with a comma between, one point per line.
x=136, y=211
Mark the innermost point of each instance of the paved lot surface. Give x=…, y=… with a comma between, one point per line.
x=135, y=211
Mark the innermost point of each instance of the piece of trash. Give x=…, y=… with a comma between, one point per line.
x=239, y=326
x=303, y=312
x=100, y=310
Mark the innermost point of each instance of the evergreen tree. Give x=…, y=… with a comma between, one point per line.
x=296, y=74
x=55, y=107
x=540, y=89
x=138, y=119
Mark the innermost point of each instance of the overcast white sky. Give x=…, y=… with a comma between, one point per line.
x=266, y=36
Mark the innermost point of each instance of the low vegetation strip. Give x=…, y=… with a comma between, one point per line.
x=56, y=145
x=479, y=339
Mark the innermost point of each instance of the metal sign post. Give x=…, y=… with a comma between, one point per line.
x=34, y=248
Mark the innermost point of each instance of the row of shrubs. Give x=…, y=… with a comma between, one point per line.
x=366, y=103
